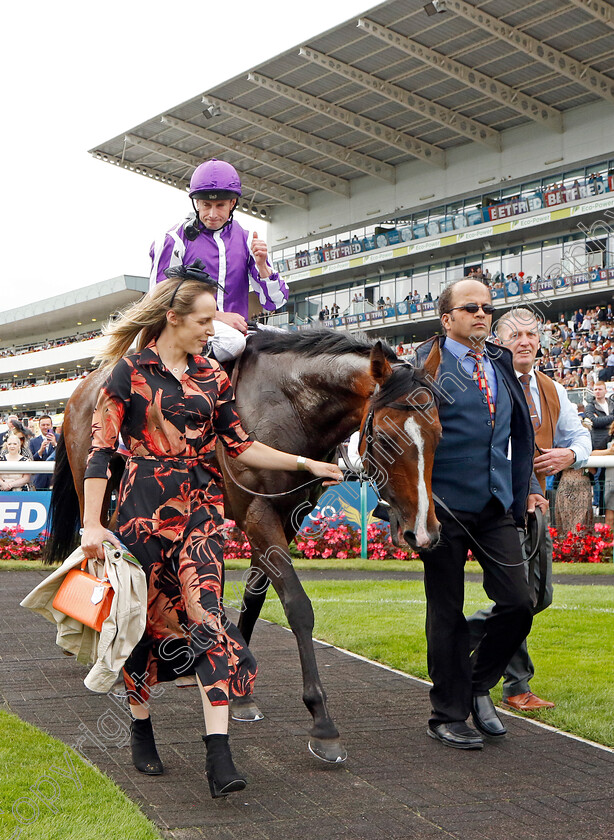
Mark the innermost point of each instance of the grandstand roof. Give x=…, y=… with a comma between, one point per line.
x=389, y=86
x=63, y=312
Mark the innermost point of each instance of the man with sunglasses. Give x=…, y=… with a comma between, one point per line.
x=561, y=442
x=480, y=495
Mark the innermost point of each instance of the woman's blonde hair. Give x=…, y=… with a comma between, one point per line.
x=147, y=317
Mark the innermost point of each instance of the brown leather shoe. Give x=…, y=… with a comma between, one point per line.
x=527, y=702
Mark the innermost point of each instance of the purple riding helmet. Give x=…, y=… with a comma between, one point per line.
x=215, y=179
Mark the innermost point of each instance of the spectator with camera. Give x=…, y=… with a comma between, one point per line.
x=43, y=449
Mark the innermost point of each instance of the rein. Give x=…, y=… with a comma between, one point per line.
x=366, y=432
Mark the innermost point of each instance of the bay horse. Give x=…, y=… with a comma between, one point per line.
x=304, y=393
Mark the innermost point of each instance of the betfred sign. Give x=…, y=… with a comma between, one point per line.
x=27, y=511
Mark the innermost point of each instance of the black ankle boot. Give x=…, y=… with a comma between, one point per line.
x=223, y=776
x=144, y=753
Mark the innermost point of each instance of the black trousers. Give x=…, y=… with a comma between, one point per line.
x=494, y=542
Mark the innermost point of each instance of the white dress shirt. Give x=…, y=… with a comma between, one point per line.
x=569, y=432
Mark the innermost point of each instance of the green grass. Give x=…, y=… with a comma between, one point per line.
x=356, y=564
x=352, y=564
x=570, y=643
x=79, y=803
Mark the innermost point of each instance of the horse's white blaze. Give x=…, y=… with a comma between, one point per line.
x=413, y=432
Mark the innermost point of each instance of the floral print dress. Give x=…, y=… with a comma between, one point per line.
x=170, y=515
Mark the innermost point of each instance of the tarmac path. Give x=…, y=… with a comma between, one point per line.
x=537, y=784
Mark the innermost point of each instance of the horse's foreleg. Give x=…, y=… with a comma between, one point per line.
x=271, y=556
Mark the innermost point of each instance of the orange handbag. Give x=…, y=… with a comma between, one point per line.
x=84, y=597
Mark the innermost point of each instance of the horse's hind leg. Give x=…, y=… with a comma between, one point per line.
x=244, y=708
x=254, y=596
x=271, y=556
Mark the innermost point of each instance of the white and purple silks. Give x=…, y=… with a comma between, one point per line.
x=227, y=259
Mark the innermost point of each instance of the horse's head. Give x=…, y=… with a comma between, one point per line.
x=400, y=431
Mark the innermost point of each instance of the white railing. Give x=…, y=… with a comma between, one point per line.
x=26, y=467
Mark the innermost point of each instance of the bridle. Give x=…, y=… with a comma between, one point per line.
x=366, y=432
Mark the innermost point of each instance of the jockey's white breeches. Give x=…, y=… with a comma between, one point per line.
x=227, y=343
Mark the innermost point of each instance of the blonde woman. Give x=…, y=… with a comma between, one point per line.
x=12, y=451
x=172, y=405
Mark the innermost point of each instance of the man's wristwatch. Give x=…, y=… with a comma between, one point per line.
x=575, y=457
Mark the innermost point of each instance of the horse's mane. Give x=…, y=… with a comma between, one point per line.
x=402, y=380
x=314, y=342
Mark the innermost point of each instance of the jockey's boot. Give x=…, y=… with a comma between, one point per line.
x=144, y=753
x=223, y=776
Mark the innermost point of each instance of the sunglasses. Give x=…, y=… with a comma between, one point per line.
x=472, y=308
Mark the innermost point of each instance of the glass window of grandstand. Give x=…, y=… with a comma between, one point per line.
x=404, y=287
x=491, y=265
x=455, y=271
x=421, y=283
x=437, y=279
x=387, y=292
x=531, y=263
x=510, y=261
x=551, y=258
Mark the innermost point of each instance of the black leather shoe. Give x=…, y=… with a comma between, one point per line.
x=485, y=716
x=456, y=734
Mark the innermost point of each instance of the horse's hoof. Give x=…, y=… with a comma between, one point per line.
x=245, y=711
x=331, y=751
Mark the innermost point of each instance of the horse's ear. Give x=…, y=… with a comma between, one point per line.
x=380, y=366
x=431, y=366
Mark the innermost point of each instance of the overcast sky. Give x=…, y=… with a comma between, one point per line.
x=76, y=74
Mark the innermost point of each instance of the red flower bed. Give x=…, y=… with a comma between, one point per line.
x=330, y=539
x=14, y=547
x=337, y=540
x=582, y=545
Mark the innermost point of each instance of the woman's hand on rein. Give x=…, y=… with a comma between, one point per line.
x=92, y=538
x=323, y=469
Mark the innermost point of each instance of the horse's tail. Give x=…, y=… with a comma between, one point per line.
x=64, y=510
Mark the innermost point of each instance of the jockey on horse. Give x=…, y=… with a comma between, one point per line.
x=212, y=236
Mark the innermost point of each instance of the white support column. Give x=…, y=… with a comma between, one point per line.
x=453, y=120
x=505, y=95
x=385, y=134
x=582, y=74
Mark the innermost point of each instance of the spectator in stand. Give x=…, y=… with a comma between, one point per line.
x=43, y=449
x=11, y=451
x=388, y=302
x=381, y=303
x=599, y=416
x=608, y=496
x=588, y=361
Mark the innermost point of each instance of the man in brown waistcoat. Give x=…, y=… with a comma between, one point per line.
x=561, y=442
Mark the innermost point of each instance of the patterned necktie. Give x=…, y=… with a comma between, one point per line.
x=525, y=381
x=479, y=376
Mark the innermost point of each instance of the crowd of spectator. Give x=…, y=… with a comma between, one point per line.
x=30, y=383
x=47, y=345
